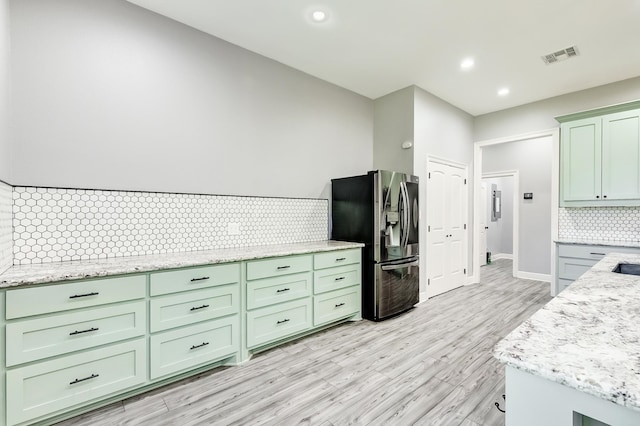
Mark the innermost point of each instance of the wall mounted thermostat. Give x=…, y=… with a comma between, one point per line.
x=528, y=195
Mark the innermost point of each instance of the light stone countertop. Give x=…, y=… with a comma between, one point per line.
x=82, y=269
x=613, y=243
x=587, y=337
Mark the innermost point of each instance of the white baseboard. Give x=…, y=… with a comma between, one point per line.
x=469, y=280
x=423, y=297
x=534, y=276
x=502, y=256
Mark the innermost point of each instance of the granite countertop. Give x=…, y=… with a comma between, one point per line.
x=613, y=243
x=80, y=269
x=587, y=337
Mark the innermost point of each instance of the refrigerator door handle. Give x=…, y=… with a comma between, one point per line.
x=400, y=265
x=405, y=215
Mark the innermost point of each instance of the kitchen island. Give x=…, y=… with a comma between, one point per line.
x=578, y=358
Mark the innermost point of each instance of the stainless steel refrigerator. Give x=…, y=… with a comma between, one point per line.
x=380, y=209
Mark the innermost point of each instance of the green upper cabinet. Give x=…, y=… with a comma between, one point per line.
x=600, y=158
x=621, y=156
x=581, y=152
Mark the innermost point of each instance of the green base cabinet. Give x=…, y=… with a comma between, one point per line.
x=600, y=157
x=78, y=345
x=188, y=347
x=573, y=260
x=40, y=389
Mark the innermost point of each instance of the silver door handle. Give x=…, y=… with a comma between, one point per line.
x=400, y=265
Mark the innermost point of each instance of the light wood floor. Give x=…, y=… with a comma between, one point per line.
x=429, y=366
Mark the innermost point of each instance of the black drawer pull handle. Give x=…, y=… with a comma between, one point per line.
x=73, y=333
x=281, y=290
x=199, y=279
x=340, y=278
x=93, y=376
x=93, y=293
x=598, y=254
x=283, y=267
x=195, y=308
x=340, y=259
x=284, y=320
x=339, y=304
x=199, y=346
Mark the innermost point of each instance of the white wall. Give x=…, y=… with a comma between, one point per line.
x=540, y=115
x=532, y=158
x=444, y=131
x=110, y=95
x=500, y=232
x=5, y=140
x=393, y=125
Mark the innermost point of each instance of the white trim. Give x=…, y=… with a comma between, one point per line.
x=554, y=133
x=445, y=161
x=518, y=138
x=465, y=241
x=515, y=174
x=499, y=256
x=423, y=297
x=534, y=276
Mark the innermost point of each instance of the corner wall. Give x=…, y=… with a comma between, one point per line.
x=444, y=131
x=108, y=95
x=393, y=125
x=5, y=50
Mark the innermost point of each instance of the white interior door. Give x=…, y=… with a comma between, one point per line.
x=446, y=227
x=483, y=223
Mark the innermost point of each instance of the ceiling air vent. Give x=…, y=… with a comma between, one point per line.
x=560, y=55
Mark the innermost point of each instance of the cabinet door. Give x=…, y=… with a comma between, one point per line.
x=581, y=159
x=621, y=156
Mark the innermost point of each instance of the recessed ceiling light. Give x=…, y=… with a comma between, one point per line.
x=467, y=64
x=318, y=15
x=503, y=92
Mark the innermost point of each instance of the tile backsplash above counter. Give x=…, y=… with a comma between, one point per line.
x=620, y=224
x=55, y=224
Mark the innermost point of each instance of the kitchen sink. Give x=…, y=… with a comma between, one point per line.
x=627, y=268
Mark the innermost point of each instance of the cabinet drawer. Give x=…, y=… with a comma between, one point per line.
x=257, y=269
x=336, y=258
x=270, y=291
x=47, y=387
x=191, y=346
x=189, y=307
x=81, y=294
x=194, y=278
x=335, y=305
x=58, y=334
x=276, y=322
x=571, y=269
x=592, y=252
x=583, y=251
x=335, y=278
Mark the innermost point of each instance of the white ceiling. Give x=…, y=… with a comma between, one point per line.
x=375, y=47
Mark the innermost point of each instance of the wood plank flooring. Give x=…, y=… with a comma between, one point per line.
x=429, y=366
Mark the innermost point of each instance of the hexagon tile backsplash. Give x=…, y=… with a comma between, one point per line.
x=6, y=227
x=53, y=224
x=600, y=223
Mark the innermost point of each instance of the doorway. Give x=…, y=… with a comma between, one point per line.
x=447, y=207
x=552, y=227
x=502, y=212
